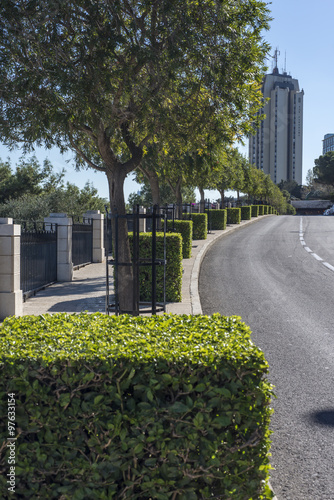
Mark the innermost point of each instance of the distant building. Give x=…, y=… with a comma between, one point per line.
x=328, y=143
x=277, y=146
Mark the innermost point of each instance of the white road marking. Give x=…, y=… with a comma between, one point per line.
x=316, y=256
x=329, y=266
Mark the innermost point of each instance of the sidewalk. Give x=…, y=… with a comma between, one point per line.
x=87, y=290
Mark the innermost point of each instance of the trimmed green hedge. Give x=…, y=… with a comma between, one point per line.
x=255, y=210
x=173, y=267
x=200, y=225
x=216, y=219
x=265, y=209
x=246, y=212
x=261, y=209
x=162, y=407
x=185, y=228
x=233, y=215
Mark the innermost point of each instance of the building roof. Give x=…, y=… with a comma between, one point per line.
x=311, y=204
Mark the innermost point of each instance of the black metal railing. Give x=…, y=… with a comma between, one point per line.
x=82, y=242
x=38, y=256
x=138, y=262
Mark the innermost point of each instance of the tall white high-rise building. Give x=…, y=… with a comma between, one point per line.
x=277, y=147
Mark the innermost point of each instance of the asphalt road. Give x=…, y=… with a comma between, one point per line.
x=278, y=275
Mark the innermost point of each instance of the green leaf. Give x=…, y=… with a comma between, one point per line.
x=179, y=407
x=138, y=449
x=98, y=399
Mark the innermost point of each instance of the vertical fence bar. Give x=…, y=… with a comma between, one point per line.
x=106, y=245
x=164, y=263
x=154, y=270
x=135, y=261
x=116, y=267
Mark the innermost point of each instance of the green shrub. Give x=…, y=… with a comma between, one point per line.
x=246, y=212
x=261, y=209
x=216, y=219
x=173, y=267
x=265, y=209
x=233, y=215
x=270, y=209
x=185, y=228
x=255, y=210
x=200, y=225
x=128, y=407
x=290, y=209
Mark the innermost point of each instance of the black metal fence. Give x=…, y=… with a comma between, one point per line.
x=138, y=261
x=38, y=256
x=82, y=242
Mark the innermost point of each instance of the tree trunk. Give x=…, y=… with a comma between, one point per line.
x=116, y=179
x=202, y=202
x=178, y=195
x=153, y=179
x=222, y=196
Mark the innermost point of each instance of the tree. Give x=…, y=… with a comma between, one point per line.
x=69, y=199
x=292, y=187
x=29, y=178
x=145, y=199
x=106, y=78
x=32, y=191
x=227, y=173
x=310, y=179
x=324, y=169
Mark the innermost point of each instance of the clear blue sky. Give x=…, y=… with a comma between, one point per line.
x=303, y=29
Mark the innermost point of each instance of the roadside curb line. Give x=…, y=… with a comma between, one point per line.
x=196, y=307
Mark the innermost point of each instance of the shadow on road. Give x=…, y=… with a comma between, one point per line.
x=324, y=417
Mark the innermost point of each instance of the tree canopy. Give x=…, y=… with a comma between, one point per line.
x=31, y=192
x=103, y=78
x=29, y=178
x=324, y=169
x=106, y=78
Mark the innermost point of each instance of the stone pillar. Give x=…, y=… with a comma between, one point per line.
x=98, y=236
x=142, y=222
x=11, y=300
x=64, y=245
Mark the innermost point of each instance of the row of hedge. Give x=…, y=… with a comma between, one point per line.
x=218, y=219
x=179, y=244
x=236, y=215
x=164, y=407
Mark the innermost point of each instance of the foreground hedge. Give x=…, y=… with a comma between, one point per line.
x=173, y=267
x=233, y=215
x=162, y=407
x=261, y=209
x=216, y=219
x=185, y=228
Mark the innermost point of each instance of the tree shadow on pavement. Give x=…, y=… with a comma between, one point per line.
x=324, y=417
